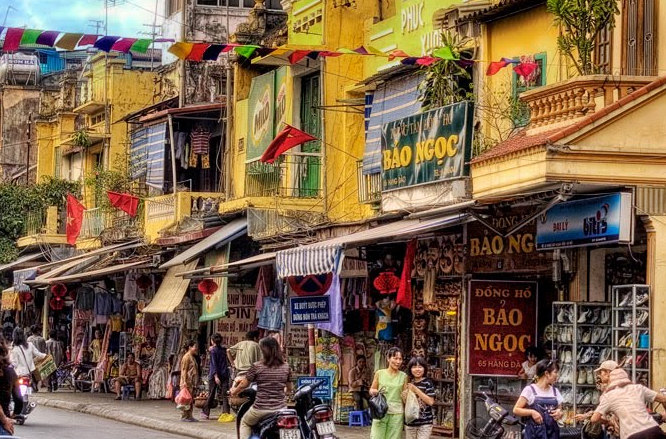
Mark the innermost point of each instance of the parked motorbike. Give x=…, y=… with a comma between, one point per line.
x=316, y=419
x=25, y=386
x=498, y=417
x=283, y=424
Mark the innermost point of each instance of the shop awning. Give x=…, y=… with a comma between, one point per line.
x=171, y=290
x=82, y=264
x=226, y=234
x=305, y=259
x=21, y=260
x=243, y=264
x=92, y=274
x=100, y=251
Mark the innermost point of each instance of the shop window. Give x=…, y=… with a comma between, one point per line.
x=173, y=6
x=520, y=84
x=639, y=34
x=270, y=4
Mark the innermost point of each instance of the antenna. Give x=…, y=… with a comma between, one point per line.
x=153, y=33
x=97, y=24
x=9, y=8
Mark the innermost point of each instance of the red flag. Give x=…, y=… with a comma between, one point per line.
x=298, y=55
x=404, y=297
x=125, y=202
x=496, y=66
x=525, y=69
x=74, y=218
x=13, y=39
x=397, y=53
x=284, y=141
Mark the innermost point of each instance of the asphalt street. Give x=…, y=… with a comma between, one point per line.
x=52, y=423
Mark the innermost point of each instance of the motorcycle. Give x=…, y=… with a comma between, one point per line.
x=25, y=387
x=283, y=424
x=498, y=417
x=316, y=419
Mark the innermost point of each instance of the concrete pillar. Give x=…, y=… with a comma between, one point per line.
x=656, y=278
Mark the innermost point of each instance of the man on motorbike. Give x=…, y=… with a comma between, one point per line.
x=271, y=375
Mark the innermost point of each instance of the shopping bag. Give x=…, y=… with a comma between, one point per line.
x=184, y=398
x=412, y=407
x=378, y=406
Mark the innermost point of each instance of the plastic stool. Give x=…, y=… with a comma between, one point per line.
x=127, y=390
x=359, y=418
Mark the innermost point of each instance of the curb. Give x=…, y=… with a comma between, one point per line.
x=128, y=418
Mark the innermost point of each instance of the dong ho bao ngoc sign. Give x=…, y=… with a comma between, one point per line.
x=591, y=221
x=428, y=147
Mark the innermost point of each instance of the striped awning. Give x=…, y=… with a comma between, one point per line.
x=171, y=290
x=302, y=261
x=393, y=100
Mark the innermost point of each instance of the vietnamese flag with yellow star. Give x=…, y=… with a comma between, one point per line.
x=74, y=218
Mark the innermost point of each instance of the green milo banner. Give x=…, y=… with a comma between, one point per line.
x=261, y=115
x=428, y=147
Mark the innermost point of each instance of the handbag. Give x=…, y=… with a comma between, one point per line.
x=378, y=406
x=412, y=407
x=592, y=430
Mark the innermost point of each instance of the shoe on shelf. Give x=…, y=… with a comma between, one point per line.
x=579, y=398
x=583, y=316
x=582, y=375
x=587, y=398
x=622, y=342
x=595, y=316
x=561, y=315
x=641, y=318
x=568, y=357
x=628, y=321
x=586, y=336
x=590, y=376
x=605, y=315
x=596, y=333
x=595, y=397
x=626, y=299
x=641, y=299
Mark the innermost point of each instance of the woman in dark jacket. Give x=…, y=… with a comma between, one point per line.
x=9, y=385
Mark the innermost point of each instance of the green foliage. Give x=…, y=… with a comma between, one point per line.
x=444, y=80
x=102, y=180
x=81, y=138
x=20, y=204
x=580, y=22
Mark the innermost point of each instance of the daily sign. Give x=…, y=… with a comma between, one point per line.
x=432, y=146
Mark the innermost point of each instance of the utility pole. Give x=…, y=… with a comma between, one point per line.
x=27, y=158
x=97, y=25
x=155, y=31
x=227, y=113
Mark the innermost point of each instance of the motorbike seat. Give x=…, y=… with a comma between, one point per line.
x=316, y=408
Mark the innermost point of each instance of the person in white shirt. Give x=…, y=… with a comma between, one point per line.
x=23, y=355
x=627, y=401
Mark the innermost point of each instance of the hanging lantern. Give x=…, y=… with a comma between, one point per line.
x=26, y=297
x=57, y=303
x=144, y=282
x=207, y=288
x=59, y=290
x=387, y=283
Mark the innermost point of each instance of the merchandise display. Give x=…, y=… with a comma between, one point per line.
x=581, y=337
x=631, y=333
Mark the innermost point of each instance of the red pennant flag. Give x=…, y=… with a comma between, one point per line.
x=298, y=55
x=125, y=202
x=13, y=39
x=426, y=60
x=495, y=67
x=74, y=218
x=397, y=53
x=197, y=52
x=525, y=69
x=284, y=141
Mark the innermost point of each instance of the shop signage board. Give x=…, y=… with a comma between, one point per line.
x=428, y=147
x=261, y=115
x=591, y=221
x=492, y=250
x=306, y=310
x=242, y=316
x=324, y=391
x=502, y=324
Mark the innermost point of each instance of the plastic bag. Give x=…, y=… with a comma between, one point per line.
x=184, y=397
x=412, y=407
x=378, y=406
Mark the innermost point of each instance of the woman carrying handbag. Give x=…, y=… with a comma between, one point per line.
x=393, y=384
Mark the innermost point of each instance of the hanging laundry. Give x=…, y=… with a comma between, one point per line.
x=180, y=139
x=270, y=317
x=200, y=137
x=205, y=161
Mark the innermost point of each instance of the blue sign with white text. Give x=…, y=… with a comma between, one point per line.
x=324, y=391
x=313, y=309
x=590, y=221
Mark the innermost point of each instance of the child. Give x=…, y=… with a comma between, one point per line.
x=424, y=390
x=528, y=368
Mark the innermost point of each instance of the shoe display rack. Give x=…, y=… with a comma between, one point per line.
x=631, y=329
x=581, y=340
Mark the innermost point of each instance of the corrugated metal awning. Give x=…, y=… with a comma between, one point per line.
x=171, y=290
x=226, y=234
x=21, y=260
x=100, y=251
x=92, y=274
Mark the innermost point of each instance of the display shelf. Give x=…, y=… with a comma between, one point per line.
x=631, y=306
x=582, y=339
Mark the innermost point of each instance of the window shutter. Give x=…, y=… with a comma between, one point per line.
x=639, y=56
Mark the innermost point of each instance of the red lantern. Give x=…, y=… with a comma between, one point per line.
x=386, y=283
x=207, y=288
x=144, y=282
x=25, y=297
x=59, y=290
x=57, y=303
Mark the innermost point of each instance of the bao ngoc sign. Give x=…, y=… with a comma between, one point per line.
x=428, y=147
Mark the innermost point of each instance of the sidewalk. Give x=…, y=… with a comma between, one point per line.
x=155, y=414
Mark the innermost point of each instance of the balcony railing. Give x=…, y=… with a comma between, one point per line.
x=35, y=223
x=297, y=175
x=94, y=222
x=369, y=186
x=47, y=221
x=564, y=102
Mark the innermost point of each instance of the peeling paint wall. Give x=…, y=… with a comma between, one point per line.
x=17, y=104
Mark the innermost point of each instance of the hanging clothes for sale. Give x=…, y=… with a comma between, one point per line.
x=270, y=316
x=199, y=138
x=85, y=298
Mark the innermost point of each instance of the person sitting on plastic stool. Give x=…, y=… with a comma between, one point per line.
x=130, y=373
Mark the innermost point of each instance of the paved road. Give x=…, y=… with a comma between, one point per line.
x=52, y=423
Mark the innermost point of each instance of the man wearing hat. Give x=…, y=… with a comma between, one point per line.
x=627, y=401
x=604, y=370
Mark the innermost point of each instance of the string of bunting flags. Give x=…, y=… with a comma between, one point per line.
x=199, y=52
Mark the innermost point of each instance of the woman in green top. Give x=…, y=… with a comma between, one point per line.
x=393, y=383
